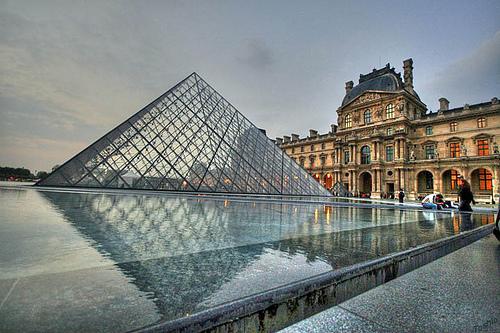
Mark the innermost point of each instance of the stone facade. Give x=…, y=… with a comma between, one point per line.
x=386, y=140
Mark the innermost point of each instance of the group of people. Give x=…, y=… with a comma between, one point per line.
x=465, y=195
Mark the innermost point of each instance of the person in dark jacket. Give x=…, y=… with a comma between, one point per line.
x=401, y=195
x=466, y=197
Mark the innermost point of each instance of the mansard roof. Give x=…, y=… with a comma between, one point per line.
x=384, y=79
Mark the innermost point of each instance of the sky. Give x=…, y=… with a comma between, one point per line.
x=72, y=70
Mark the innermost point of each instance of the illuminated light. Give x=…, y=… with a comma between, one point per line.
x=316, y=213
x=226, y=203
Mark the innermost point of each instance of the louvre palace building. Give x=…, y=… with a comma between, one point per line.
x=386, y=139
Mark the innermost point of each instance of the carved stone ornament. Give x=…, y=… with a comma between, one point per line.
x=366, y=98
x=463, y=150
x=495, y=148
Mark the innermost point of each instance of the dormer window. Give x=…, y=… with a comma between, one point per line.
x=389, y=111
x=348, y=121
x=368, y=116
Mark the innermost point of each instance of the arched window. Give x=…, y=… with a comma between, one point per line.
x=389, y=111
x=368, y=116
x=348, y=121
x=311, y=161
x=454, y=179
x=485, y=180
x=481, y=122
x=365, y=155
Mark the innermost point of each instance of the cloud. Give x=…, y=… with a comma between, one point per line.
x=256, y=55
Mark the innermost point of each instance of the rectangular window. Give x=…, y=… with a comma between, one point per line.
x=293, y=150
x=389, y=131
x=323, y=160
x=302, y=149
x=483, y=148
x=346, y=157
x=453, y=127
x=485, y=180
x=312, y=147
x=481, y=122
x=323, y=145
x=428, y=130
x=429, y=152
x=454, y=149
x=389, y=153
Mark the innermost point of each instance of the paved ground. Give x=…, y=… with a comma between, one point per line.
x=457, y=293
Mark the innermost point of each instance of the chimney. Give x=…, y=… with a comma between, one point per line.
x=279, y=141
x=408, y=73
x=313, y=133
x=295, y=137
x=334, y=128
x=286, y=139
x=348, y=86
x=444, y=104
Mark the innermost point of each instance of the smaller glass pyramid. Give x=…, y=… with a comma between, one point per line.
x=189, y=139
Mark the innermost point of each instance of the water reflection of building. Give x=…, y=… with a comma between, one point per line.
x=387, y=139
x=184, y=250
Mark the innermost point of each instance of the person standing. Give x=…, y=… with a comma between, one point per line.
x=466, y=197
x=401, y=195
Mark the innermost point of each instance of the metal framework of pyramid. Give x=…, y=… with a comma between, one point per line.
x=189, y=139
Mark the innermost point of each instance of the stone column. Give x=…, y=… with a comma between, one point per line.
x=355, y=179
x=396, y=149
x=402, y=180
x=396, y=180
x=380, y=184
x=496, y=184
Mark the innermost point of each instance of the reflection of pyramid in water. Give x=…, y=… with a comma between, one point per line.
x=188, y=139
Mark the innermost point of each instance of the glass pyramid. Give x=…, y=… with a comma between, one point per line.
x=189, y=139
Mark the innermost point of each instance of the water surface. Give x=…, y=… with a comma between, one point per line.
x=84, y=262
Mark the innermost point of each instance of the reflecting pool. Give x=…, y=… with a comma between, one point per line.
x=83, y=262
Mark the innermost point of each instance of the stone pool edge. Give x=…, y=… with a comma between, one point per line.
x=280, y=307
